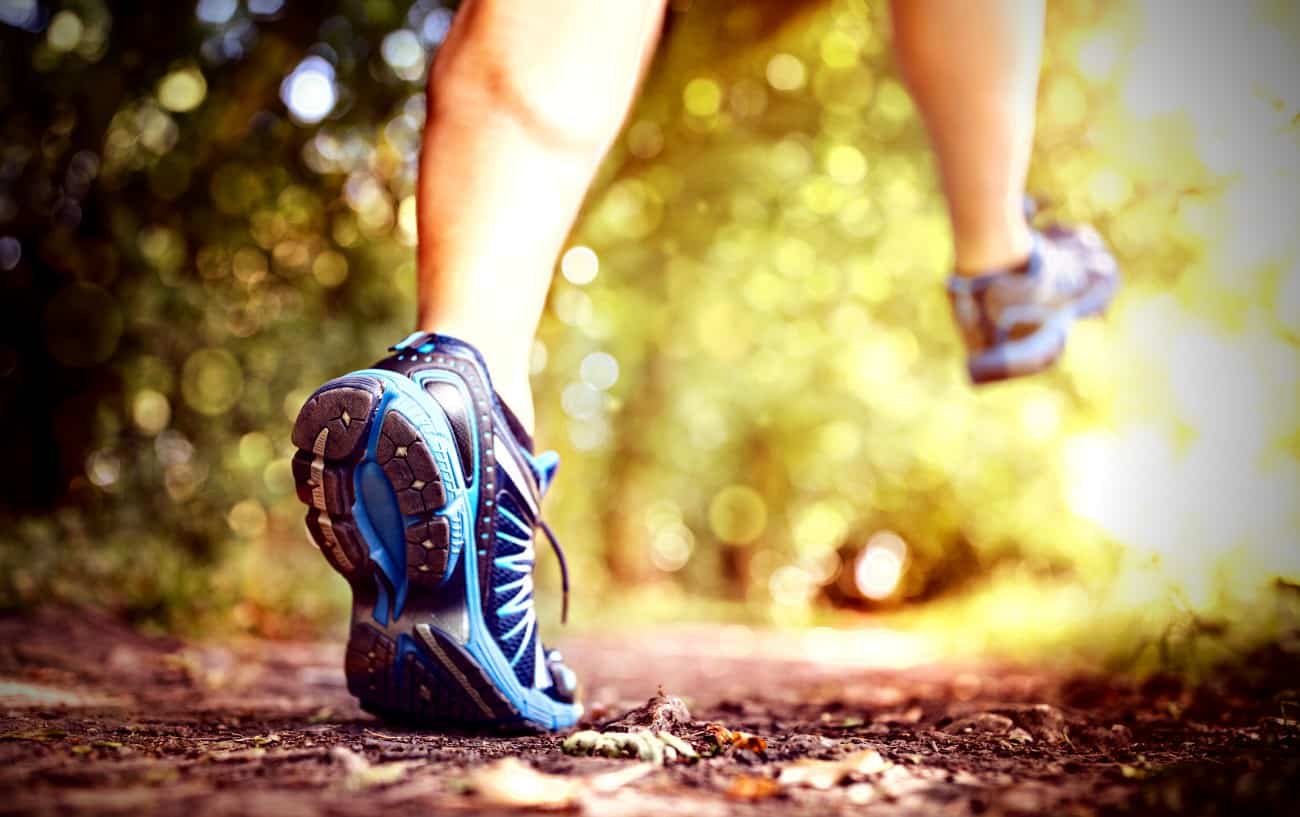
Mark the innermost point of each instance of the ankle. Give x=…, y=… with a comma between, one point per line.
x=517, y=394
x=994, y=247
x=507, y=369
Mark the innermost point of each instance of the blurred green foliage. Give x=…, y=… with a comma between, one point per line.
x=747, y=362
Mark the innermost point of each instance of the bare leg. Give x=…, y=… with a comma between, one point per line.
x=524, y=101
x=972, y=66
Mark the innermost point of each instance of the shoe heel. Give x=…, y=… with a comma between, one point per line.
x=331, y=433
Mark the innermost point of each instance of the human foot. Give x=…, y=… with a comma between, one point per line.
x=1015, y=321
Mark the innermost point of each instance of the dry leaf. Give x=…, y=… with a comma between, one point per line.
x=609, y=781
x=725, y=737
x=752, y=787
x=745, y=740
x=981, y=723
x=860, y=793
x=511, y=782
x=909, y=715
x=824, y=774
x=359, y=773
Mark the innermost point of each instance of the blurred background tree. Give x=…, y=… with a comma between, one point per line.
x=747, y=363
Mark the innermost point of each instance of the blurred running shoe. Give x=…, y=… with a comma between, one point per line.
x=1015, y=321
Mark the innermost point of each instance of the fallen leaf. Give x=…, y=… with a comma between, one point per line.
x=609, y=781
x=360, y=773
x=860, y=793
x=745, y=740
x=237, y=755
x=752, y=787
x=724, y=738
x=684, y=750
x=511, y=782
x=985, y=723
x=1041, y=721
x=910, y=715
x=824, y=774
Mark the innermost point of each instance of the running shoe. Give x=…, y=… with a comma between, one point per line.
x=424, y=493
x=1015, y=321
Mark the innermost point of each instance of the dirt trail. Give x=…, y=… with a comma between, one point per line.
x=96, y=719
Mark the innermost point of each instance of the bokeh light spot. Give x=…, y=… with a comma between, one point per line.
x=785, y=72
x=103, y=468
x=791, y=586
x=277, y=476
x=737, y=514
x=308, y=92
x=839, y=50
x=671, y=548
x=404, y=53
x=818, y=529
x=879, y=567
x=330, y=268
x=211, y=381
x=182, y=90
x=247, y=518
x=265, y=8
x=215, y=12
x=11, y=252
x=599, y=370
x=846, y=164
x=151, y=411
x=408, y=221
x=702, y=97
x=538, y=357
x=23, y=14
x=435, y=26
x=645, y=139
x=64, y=32
x=580, y=401
x=589, y=435
x=255, y=449
x=579, y=265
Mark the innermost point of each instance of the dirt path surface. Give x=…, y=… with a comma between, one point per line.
x=96, y=719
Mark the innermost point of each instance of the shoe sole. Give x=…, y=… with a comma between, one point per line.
x=386, y=506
